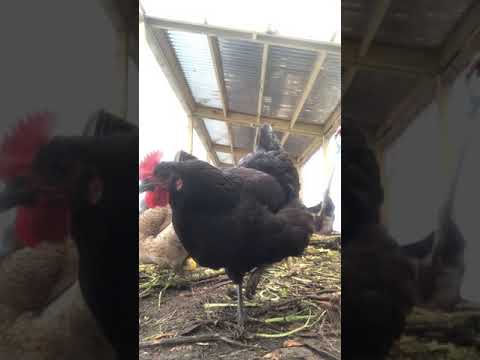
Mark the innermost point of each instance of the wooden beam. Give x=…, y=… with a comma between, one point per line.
x=402, y=115
x=466, y=30
x=316, y=143
x=387, y=58
x=376, y=20
x=239, y=152
x=202, y=133
x=270, y=39
x=317, y=67
x=189, y=135
x=251, y=121
x=263, y=74
x=218, y=70
x=331, y=125
x=166, y=58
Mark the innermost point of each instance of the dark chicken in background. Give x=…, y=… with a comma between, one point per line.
x=239, y=218
x=439, y=257
x=324, y=218
x=88, y=179
x=377, y=279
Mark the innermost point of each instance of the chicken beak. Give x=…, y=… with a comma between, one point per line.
x=16, y=194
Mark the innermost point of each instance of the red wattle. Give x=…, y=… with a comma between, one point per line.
x=41, y=223
x=157, y=198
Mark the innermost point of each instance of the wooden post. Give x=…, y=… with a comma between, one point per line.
x=385, y=182
x=190, y=135
x=300, y=177
x=445, y=146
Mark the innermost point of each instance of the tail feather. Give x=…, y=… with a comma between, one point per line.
x=267, y=140
x=184, y=156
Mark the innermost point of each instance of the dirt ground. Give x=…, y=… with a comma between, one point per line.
x=295, y=313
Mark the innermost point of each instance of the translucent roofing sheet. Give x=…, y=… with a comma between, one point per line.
x=241, y=68
x=287, y=74
x=218, y=131
x=193, y=54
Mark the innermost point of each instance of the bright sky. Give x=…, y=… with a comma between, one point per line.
x=309, y=20
x=414, y=165
x=163, y=123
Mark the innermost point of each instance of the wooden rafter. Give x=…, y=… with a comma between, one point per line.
x=270, y=39
x=400, y=117
x=218, y=69
x=246, y=120
x=202, y=132
x=331, y=125
x=387, y=58
x=263, y=74
x=317, y=67
x=466, y=29
x=166, y=58
x=310, y=150
x=379, y=12
x=190, y=135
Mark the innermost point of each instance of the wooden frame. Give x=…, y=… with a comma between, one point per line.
x=272, y=40
x=240, y=119
x=422, y=94
x=317, y=67
x=167, y=59
x=379, y=12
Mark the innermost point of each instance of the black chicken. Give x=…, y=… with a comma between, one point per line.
x=377, y=279
x=238, y=218
x=324, y=218
x=91, y=176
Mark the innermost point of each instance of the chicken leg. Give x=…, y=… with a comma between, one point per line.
x=240, y=310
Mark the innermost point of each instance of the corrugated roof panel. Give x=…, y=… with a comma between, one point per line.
x=355, y=17
x=416, y=23
x=297, y=144
x=287, y=74
x=243, y=137
x=325, y=94
x=193, y=54
x=218, y=131
x=225, y=157
x=241, y=62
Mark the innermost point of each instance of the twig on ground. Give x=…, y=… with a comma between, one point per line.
x=193, y=339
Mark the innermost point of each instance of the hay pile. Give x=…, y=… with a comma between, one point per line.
x=440, y=335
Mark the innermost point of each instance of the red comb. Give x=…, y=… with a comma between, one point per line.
x=20, y=146
x=147, y=165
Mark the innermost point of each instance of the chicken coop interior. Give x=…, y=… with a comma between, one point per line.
x=229, y=83
x=215, y=73
x=404, y=82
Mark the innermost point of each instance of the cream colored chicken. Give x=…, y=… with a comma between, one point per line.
x=158, y=242
x=43, y=315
